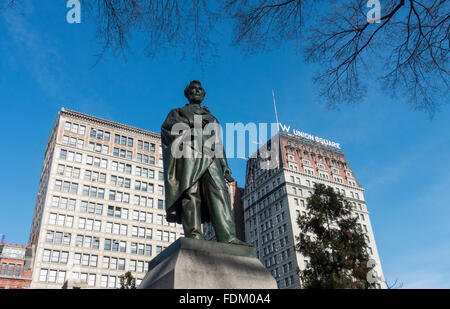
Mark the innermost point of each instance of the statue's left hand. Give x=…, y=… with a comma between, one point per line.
x=227, y=171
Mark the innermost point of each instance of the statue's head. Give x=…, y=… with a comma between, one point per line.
x=194, y=92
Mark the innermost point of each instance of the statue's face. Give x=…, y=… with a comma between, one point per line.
x=196, y=94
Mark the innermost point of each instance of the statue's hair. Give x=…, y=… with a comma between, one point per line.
x=186, y=90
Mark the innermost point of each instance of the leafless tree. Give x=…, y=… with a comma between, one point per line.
x=263, y=25
x=183, y=27
x=395, y=285
x=7, y=4
x=409, y=44
x=406, y=49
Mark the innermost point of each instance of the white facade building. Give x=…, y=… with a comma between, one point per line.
x=100, y=205
x=273, y=199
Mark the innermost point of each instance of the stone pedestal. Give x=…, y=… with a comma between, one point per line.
x=199, y=264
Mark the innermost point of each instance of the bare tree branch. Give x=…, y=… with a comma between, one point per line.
x=395, y=285
x=262, y=25
x=412, y=40
x=8, y=4
x=182, y=27
x=408, y=48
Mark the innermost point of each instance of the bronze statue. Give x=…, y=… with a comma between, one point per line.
x=196, y=189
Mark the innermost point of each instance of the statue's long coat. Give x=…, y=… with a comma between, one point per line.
x=181, y=173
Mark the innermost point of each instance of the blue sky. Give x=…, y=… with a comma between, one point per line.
x=399, y=155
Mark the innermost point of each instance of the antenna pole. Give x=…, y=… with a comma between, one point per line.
x=278, y=126
x=275, y=106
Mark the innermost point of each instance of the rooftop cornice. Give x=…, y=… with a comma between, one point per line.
x=66, y=112
x=305, y=142
x=312, y=144
x=14, y=245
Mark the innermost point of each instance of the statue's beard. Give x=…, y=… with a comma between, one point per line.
x=196, y=100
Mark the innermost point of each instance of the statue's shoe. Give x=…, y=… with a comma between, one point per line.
x=195, y=236
x=235, y=241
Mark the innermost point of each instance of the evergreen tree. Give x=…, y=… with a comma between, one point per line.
x=334, y=243
x=127, y=281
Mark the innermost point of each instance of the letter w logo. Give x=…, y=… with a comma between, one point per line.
x=285, y=128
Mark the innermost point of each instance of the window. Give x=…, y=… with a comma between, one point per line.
x=61, y=276
x=123, y=246
x=43, y=275
x=172, y=237
x=113, y=263
x=159, y=219
x=121, y=265
x=158, y=235
x=52, y=219
x=109, y=226
x=141, y=232
x=55, y=257
x=93, y=261
x=96, y=243
x=18, y=268
x=123, y=229
x=140, y=266
x=132, y=265
x=148, y=250
x=148, y=233
x=66, y=240
x=107, y=244
x=46, y=255
x=133, y=248
x=104, y=281
x=49, y=237
x=91, y=281
x=52, y=276
x=85, y=260
x=10, y=270
x=67, y=126
x=112, y=282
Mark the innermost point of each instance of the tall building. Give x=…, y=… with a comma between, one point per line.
x=15, y=266
x=100, y=205
x=274, y=198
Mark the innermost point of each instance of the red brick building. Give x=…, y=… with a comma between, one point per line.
x=15, y=266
